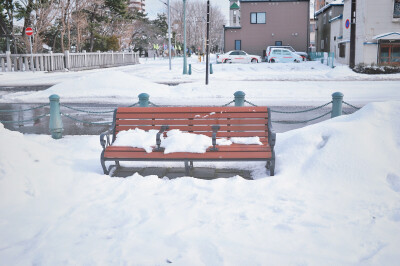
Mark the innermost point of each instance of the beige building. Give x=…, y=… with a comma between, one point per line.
x=256, y=24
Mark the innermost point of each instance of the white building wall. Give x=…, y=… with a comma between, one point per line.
x=336, y=34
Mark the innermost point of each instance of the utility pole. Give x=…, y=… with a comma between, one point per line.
x=208, y=39
x=352, y=62
x=184, y=39
x=169, y=35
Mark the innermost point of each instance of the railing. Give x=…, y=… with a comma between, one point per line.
x=326, y=58
x=57, y=111
x=60, y=61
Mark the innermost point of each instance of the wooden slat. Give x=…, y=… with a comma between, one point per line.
x=190, y=115
x=232, y=147
x=199, y=128
x=243, y=121
x=186, y=155
x=202, y=109
x=226, y=134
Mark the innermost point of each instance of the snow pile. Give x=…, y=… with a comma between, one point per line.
x=137, y=138
x=112, y=85
x=176, y=140
x=335, y=200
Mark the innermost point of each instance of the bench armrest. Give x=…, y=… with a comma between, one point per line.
x=105, y=138
x=158, y=137
x=215, y=129
x=271, y=137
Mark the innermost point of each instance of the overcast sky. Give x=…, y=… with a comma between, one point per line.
x=156, y=6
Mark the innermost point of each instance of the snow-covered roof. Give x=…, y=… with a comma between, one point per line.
x=387, y=36
x=333, y=3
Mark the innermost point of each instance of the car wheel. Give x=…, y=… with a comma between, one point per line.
x=272, y=61
x=254, y=60
x=297, y=61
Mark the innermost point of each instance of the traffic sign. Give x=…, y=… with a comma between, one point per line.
x=347, y=23
x=29, y=31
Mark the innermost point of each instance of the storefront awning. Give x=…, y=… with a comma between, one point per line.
x=387, y=36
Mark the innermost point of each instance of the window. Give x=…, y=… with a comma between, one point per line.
x=312, y=27
x=286, y=52
x=277, y=52
x=322, y=45
x=258, y=18
x=324, y=19
x=234, y=53
x=238, y=45
x=278, y=43
x=389, y=54
x=342, y=50
x=242, y=53
x=396, y=10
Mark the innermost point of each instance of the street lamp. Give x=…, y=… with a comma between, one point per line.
x=184, y=39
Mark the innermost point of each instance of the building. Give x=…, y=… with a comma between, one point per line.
x=377, y=32
x=324, y=18
x=138, y=5
x=256, y=24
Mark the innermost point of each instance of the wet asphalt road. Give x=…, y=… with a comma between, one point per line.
x=281, y=122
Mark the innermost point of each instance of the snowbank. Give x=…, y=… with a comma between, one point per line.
x=335, y=200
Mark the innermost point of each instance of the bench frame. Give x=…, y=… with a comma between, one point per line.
x=105, y=141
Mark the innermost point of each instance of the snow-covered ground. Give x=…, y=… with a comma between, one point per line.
x=307, y=83
x=335, y=200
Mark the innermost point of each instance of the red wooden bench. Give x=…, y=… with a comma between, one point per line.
x=216, y=122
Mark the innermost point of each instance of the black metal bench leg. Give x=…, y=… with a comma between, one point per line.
x=187, y=168
x=103, y=163
x=191, y=164
x=272, y=168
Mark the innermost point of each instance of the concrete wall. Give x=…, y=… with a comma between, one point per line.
x=373, y=18
x=283, y=21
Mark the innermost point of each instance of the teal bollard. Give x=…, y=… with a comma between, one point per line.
x=211, y=70
x=337, y=100
x=55, y=124
x=190, y=69
x=144, y=100
x=239, y=98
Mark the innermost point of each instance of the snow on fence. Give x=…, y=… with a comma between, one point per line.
x=60, y=61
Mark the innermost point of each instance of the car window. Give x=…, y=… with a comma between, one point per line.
x=276, y=51
x=242, y=53
x=286, y=52
x=234, y=53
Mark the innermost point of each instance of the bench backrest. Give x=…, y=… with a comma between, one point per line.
x=233, y=121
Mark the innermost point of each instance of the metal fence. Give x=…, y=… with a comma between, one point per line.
x=60, y=61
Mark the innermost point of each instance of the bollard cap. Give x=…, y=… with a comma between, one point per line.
x=144, y=96
x=337, y=95
x=239, y=94
x=54, y=97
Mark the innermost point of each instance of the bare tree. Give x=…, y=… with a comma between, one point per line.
x=196, y=12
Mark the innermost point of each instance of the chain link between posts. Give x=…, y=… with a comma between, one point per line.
x=301, y=122
x=303, y=111
x=86, y=122
x=355, y=107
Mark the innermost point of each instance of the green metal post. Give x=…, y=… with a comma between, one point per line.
x=144, y=100
x=211, y=69
x=239, y=98
x=184, y=39
x=55, y=124
x=190, y=69
x=337, y=100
